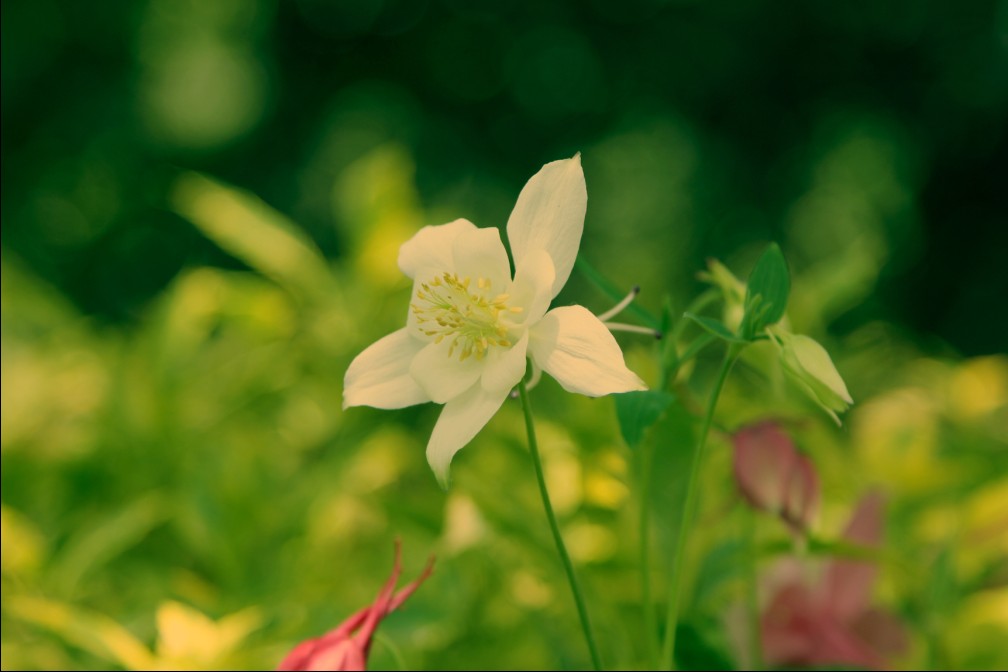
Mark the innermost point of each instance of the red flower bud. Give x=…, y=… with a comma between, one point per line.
x=773, y=476
x=346, y=647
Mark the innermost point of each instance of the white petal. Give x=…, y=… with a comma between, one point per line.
x=549, y=215
x=574, y=347
x=480, y=254
x=505, y=368
x=460, y=421
x=532, y=289
x=431, y=248
x=444, y=377
x=380, y=375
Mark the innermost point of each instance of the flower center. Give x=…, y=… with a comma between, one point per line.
x=446, y=307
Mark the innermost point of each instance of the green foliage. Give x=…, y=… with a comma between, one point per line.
x=201, y=232
x=766, y=293
x=637, y=411
x=715, y=328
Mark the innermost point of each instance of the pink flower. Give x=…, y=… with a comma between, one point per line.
x=773, y=476
x=832, y=622
x=346, y=647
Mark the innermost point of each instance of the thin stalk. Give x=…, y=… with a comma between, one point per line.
x=555, y=527
x=691, y=351
x=689, y=513
x=671, y=361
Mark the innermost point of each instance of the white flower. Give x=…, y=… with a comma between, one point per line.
x=471, y=326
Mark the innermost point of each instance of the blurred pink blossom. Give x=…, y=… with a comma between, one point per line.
x=832, y=622
x=773, y=476
x=346, y=647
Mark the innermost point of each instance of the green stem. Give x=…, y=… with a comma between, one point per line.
x=555, y=527
x=698, y=305
x=671, y=360
x=689, y=513
x=691, y=351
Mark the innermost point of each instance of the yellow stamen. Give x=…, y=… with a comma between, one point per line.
x=462, y=311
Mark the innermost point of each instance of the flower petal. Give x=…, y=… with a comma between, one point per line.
x=882, y=631
x=505, y=367
x=574, y=347
x=479, y=253
x=443, y=377
x=380, y=376
x=460, y=421
x=549, y=215
x=848, y=583
x=532, y=289
x=431, y=248
x=763, y=457
x=801, y=493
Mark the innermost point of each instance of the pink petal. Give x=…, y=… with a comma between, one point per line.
x=763, y=455
x=836, y=644
x=346, y=646
x=882, y=631
x=381, y=606
x=797, y=630
x=786, y=627
x=299, y=656
x=801, y=493
x=847, y=584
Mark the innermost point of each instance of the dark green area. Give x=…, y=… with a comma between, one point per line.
x=732, y=103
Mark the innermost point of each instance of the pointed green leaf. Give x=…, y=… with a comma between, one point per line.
x=92, y=632
x=95, y=545
x=637, y=411
x=766, y=292
x=253, y=232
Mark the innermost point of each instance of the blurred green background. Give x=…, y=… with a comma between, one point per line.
x=173, y=348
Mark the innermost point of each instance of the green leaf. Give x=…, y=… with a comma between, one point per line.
x=766, y=292
x=94, y=546
x=637, y=411
x=715, y=328
x=672, y=443
x=253, y=232
x=92, y=632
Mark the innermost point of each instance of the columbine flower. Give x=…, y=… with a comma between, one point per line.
x=347, y=646
x=810, y=366
x=832, y=621
x=773, y=476
x=471, y=326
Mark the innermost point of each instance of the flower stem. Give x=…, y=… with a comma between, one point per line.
x=555, y=528
x=671, y=359
x=689, y=513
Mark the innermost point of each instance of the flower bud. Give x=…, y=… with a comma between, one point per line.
x=346, y=647
x=773, y=476
x=810, y=366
